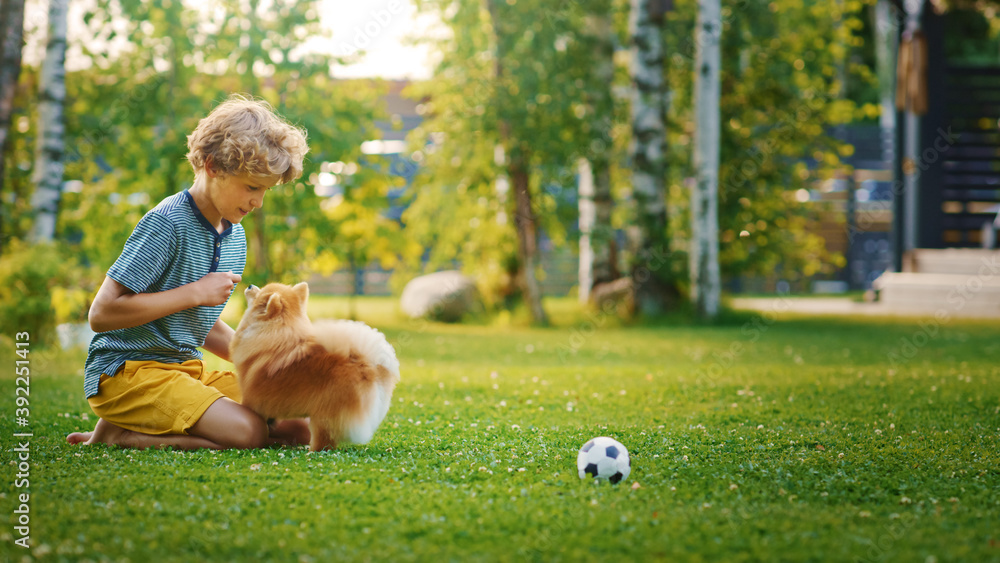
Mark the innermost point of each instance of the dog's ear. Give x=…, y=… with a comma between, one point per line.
x=274, y=306
x=302, y=290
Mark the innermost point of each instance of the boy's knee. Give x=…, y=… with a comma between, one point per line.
x=249, y=431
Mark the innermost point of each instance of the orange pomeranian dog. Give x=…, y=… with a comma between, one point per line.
x=340, y=374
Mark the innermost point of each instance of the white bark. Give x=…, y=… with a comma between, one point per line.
x=602, y=239
x=12, y=20
x=48, y=172
x=705, y=279
x=911, y=148
x=886, y=39
x=12, y=24
x=649, y=108
x=585, y=204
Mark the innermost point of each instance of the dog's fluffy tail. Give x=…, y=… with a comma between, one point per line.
x=347, y=338
x=353, y=337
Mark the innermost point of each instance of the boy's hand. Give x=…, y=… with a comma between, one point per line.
x=215, y=288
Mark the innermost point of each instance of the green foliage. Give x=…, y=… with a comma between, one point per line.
x=811, y=445
x=784, y=84
x=972, y=37
x=41, y=285
x=542, y=99
x=19, y=155
x=348, y=229
x=128, y=118
x=784, y=67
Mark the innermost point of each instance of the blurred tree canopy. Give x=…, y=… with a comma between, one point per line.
x=485, y=126
x=786, y=67
x=516, y=101
x=128, y=115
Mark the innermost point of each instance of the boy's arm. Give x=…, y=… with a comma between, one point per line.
x=116, y=306
x=217, y=341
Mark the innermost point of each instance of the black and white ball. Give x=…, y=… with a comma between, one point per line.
x=604, y=458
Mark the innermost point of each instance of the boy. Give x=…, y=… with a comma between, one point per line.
x=162, y=298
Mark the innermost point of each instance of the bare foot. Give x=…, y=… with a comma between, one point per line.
x=104, y=433
x=111, y=434
x=78, y=437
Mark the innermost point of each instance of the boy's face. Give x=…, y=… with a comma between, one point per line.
x=236, y=196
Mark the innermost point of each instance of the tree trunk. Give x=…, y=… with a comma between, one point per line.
x=886, y=39
x=597, y=243
x=705, y=283
x=602, y=239
x=257, y=241
x=654, y=292
x=12, y=27
x=48, y=172
x=172, y=141
x=585, y=210
x=911, y=149
x=250, y=86
x=517, y=160
x=357, y=286
x=527, y=237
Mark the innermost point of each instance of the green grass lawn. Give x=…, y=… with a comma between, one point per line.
x=800, y=439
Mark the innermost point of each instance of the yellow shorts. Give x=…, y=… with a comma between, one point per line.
x=159, y=398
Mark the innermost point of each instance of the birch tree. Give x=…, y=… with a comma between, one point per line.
x=585, y=207
x=778, y=99
x=705, y=281
x=517, y=156
x=886, y=37
x=48, y=171
x=12, y=27
x=653, y=293
x=597, y=252
x=536, y=108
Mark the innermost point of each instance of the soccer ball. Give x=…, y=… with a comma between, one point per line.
x=604, y=458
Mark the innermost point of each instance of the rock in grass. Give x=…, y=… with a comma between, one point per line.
x=617, y=295
x=442, y=296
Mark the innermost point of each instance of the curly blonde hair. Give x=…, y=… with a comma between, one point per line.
x=243, y=136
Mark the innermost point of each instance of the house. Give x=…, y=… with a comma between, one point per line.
x=946, y=177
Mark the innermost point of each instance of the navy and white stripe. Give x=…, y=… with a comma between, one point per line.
x=172, y=245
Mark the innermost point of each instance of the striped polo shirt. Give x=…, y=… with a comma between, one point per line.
x=172, y=245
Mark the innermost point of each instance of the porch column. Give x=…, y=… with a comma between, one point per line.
x=911, y=139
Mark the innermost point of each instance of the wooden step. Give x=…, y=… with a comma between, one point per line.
x=966, y=261
x=942, y=295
